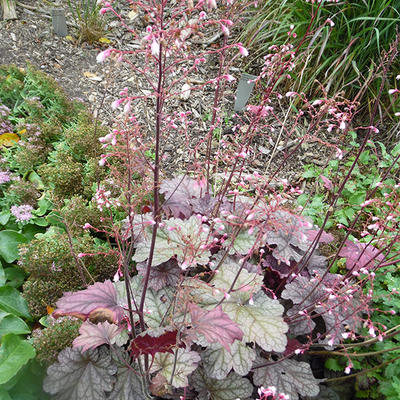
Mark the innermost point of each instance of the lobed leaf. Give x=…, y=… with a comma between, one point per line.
x=98, y=301
x=177, y=366
x=92, y=336
x=215, y=326
x=232, y=387
x=288, y=376
x=261, y=322
x=81, y=375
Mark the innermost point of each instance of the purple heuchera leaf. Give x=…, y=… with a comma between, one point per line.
x=324, y=238
x=281, y=268
x=215, y=326
x=98, y=301
x=178, y=194
x=92, y=336
x=165, y=274
x=360, y=255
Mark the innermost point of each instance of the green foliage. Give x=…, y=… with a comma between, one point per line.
x=34, y=95
x=14, y=354
x=58, y=335
x=52, y=270
x=90, y=24
x=341, y=57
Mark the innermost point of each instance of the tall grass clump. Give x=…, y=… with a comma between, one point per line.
x=342, y=48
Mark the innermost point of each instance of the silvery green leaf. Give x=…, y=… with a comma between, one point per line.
x=186, y=363
x=289, y=236
x=218, y=362
x=81, y=376
x=129, y=383
x=172, y=239
x=243, y=242
x=157, y=304
x=232, y=387
x=261, y=322
x=247, y=284
x=242, y=358
x=288, y=376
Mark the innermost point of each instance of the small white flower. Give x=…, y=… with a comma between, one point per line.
x=155, y=48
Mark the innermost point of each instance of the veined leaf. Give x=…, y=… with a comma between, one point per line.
x=215, y=326
x=92, y=336
x=288, y=376
x=14, y=354
x=232, y=387
x=12, y=302
x=97, y=301
x=186, y=363
x=261, y=322
x=81, y=376
x=218, y=362
x=172, y=241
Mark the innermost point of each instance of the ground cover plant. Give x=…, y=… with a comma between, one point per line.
x=209, y=283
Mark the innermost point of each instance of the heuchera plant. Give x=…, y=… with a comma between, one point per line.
x=219, y=289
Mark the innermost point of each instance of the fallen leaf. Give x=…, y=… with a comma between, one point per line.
x=8, y=139
x=104, y=40
x=92, y=76
x=70, y=38
x=132, y=15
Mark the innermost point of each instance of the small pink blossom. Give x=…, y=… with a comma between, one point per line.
x=229, y=78
x=4, y=177
x=242, y=50
x=22, y=212
x=330, y=22
x=103, y=55
x=225, y=30
x=393, y=91
x=155, y=48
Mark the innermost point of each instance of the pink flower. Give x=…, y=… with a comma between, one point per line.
x=225, y=30
x=155, y=48
x=242, y=50
x=22, y=212
x=103, y=55
x=4, y=177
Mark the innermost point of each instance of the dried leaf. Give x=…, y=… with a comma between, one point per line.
x=8, y=139
x=92, y=76
x=104, y=40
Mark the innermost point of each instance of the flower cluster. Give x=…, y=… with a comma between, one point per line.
x=22, y=213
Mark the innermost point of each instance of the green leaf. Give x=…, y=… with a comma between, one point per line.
x=232, y=387
x=333, y=364
x=180, y=364
x=4, y=217
x=261, y=322
x=396, y=150
x=9, y=241
x=218, y=362
x=14, y=354
x=357, y=198
x=11, y=324
x=12, y=302
x=15, y=276
x=2, y=275
x=4, y=395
